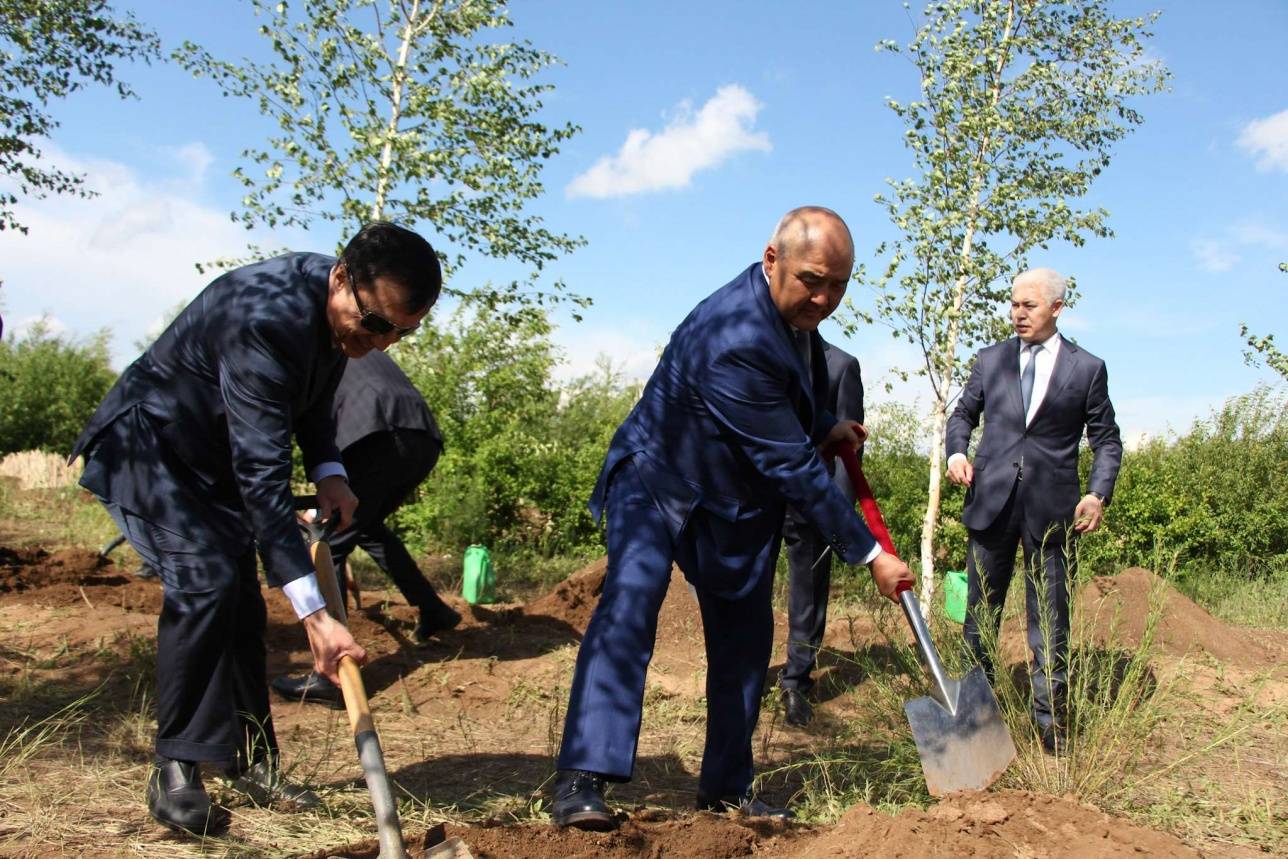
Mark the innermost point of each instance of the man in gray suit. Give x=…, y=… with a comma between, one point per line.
x=808, y=562
x=1039, y=392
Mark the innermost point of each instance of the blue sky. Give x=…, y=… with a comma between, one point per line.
x=736, y=111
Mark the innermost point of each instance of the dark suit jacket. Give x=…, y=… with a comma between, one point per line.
x=374, y=396
x=724, y=438
x=196, y=434
x=1077, y=397
x=844, y=399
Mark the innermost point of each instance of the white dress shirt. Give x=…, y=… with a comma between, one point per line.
x=304, y=593
x=1041, y=372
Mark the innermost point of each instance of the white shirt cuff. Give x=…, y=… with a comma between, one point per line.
x=305, y=595
x=954, y=456
x=872, y=556
x=327, y=469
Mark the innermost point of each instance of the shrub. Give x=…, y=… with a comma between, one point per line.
x=521, y=452
x=49, y=387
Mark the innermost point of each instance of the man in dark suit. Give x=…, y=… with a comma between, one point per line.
x=1037, y=393
x=724, y=437
x=809, y=562
x=191, y=453
x=389, y=443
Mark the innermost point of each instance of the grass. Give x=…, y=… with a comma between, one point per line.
x=74, y=756
x=1139, y=746
x=1239, y=596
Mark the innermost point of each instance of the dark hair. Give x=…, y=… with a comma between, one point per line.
x=382, y=249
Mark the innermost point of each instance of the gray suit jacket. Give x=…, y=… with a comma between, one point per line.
x=1047, y=449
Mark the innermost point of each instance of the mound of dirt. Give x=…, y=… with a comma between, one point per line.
x=573, y=601
x=1118, y=607
x=22, y=569
x=700, y=836
x=1001, y=824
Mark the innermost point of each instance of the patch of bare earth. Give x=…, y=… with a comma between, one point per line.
x=470, y=724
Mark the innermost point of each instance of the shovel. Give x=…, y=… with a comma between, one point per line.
x=388, y=827
x=960, y=735
x=961, y=738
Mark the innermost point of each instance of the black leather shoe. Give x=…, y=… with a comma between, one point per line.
x=748, y=805
x=436, y=619
x=1054, y=740
x=265, y=785
x=798, y=711
x=579, y=801
x=178, y=799
x=311, y=687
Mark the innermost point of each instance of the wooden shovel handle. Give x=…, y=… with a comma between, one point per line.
x=355, y=693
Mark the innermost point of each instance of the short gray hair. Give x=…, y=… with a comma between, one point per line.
x=1053, y=284
x=795, y=228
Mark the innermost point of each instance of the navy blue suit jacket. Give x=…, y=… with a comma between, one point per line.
x=724, y=438
x=375, y=395
x=1047, y=448
x=195, y=436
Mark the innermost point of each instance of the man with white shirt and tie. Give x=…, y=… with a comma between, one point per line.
x=1039, y=392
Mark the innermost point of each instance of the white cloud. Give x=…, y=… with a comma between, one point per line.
x=1267, y=139
x=633, y=354
x=1221, y=254
x=668, y=159
x=120, y=260
x=1213, y=256
x=1259, y=235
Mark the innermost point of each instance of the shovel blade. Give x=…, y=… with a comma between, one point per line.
x=452, y=848
x=965, y=750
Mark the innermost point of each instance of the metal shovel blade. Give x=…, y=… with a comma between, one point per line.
x=452, y=848
x=963, y=748
x=961, y=738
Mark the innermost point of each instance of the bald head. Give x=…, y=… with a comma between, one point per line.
x=807, y=225
x=808, y=262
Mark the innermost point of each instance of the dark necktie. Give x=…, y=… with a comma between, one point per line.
x=1026, y=378
x=803, y=349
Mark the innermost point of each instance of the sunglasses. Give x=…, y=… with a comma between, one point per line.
x=374, y=322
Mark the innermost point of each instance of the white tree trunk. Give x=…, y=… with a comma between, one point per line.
x=938, y=421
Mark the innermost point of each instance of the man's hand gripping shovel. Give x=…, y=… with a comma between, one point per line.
x=372, y=758
x=961, y=738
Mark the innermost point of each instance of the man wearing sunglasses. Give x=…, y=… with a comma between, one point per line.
x=191, y=453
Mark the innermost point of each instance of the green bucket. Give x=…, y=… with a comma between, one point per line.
x=478, y=583
x=955, y=595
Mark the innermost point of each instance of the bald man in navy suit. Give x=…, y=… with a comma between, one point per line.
x=724, y=437
x=1037, y=393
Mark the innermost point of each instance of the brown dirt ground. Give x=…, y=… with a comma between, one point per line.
x=477, y=711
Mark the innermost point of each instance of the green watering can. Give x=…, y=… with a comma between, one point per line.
x=478, y=584
x=955, y=595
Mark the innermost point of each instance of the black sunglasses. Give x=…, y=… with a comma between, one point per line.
x=374, y=322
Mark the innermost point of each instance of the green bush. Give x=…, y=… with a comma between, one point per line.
x=1212, y=496
x=521, y=452
x=895, y=464
x=49, y=386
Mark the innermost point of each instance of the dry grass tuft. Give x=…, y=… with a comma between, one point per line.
x=37, y=469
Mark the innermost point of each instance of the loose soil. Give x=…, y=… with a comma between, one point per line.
x=470, y=723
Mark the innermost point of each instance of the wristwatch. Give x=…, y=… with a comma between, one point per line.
x=1097, y=496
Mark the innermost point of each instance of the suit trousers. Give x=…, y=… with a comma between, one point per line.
x=809, y=583
x=990, y=563
x=384, y=469
x=601, y=730
x=212, y=692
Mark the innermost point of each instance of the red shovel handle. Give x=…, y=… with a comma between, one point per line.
x=871, y=512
